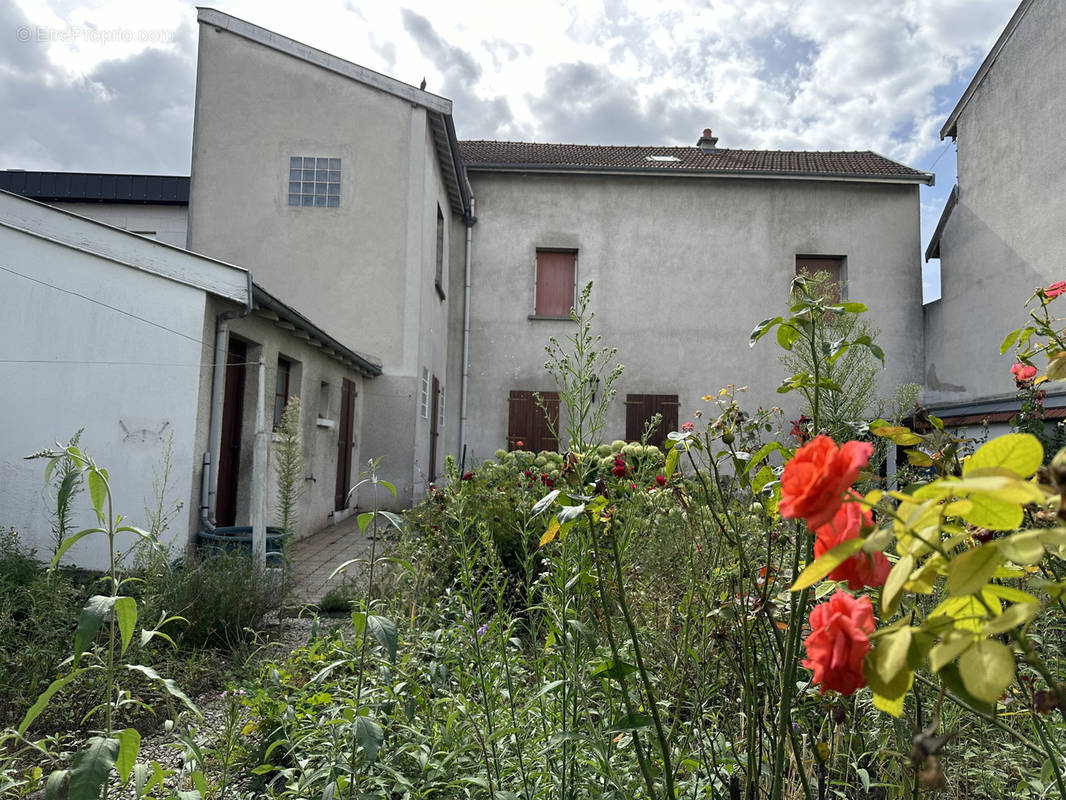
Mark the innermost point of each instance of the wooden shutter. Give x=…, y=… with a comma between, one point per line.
x=642, y=407
x=812, y=265
x=526, y=423
x=555, y=283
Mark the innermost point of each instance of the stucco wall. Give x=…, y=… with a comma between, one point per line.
x=107, y=348
x=1005, y=236
x=363, y=271
x=683, y=270
x=167, y=224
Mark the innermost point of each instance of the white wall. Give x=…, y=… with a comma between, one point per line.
x=96, y=345
x=167, y=224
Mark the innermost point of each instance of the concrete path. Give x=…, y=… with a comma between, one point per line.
x=314, y=558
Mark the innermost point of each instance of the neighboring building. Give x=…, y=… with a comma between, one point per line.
x=116, y=334
x=1003, y=230
x=688, y=248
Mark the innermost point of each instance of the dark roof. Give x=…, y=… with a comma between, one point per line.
x=533, y=156
x=96, y=187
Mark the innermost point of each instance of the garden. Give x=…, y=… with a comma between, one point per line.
x=857, y=603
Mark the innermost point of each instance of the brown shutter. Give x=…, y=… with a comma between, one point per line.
x=555, y=283
x=544, y=438
x=830, y=265
x=642, y=407
x=527, y=424
x=635, y=408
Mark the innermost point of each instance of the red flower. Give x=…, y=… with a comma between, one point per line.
x=814, y=481
x=519, y=443
x=467, y=476
x=661, y=480
x=1055, y=289
x=619, y=469
x=799, y=429
x=686, y=427
x=1023, y=372
x=839, y=642
x=862, y=569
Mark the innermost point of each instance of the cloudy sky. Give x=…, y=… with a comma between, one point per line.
x=108, y=86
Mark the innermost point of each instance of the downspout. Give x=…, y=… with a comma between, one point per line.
x=209, y=475
x=470, y=219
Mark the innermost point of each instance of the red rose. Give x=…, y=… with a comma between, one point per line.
x=814, y=481
x=1055, y=289
x=661, y=480
x=1023, y=372
x=467, y=476
x=862, y=569
x=839, y=642
x=686, y=427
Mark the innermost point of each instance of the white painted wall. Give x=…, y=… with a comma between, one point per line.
x=167, y=224
x=97, y=345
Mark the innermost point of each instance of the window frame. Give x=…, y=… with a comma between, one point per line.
x=282, y=392
x=572, y=251
x=424, y=401
x=304, y=182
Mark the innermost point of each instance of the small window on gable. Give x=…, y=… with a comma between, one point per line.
x=439, y=280
x=424, y=401
x=528, y=425
x=642, y=408
x=281, y=388
x=314, y=181
x=555, y=283
x=827, y=271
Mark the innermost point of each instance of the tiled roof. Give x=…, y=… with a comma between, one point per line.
x=604, y=158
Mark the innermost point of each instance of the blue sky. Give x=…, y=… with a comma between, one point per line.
x=108, y=86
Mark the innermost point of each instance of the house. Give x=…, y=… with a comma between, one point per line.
x=1001, y=231
x=120, y=335
x=349, y=197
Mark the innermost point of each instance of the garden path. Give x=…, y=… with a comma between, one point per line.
x=314, y=558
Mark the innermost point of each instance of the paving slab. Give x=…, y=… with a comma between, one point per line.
x=315, y=557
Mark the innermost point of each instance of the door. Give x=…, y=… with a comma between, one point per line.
x=345, y=443
x=640, y=408
x=528, y=428
x=229, y=455
x=434, y=430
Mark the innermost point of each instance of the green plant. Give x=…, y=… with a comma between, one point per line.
x=163, y=508
x=67, y=484
x=117, y=615
x=581, y=372
x=289, y=465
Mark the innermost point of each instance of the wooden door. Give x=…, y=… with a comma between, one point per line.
x=345, y=443
x=434, y=430
x=229, y=454
x=527, y=423
x=642, y=407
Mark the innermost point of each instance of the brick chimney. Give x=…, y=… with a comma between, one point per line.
x=707, y=142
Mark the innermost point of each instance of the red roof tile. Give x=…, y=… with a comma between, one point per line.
x=538, y=156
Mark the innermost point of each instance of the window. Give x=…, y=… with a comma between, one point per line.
x=424, y=403
x=281, y=389
x=314, y=181
x=323, y=400
x=640, y=408
x=832, y=267
x=555, y=281
x=527, y=425
x=439, y=280
x=440, y=406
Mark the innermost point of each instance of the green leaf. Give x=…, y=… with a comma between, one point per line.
x=968, y=572
x=388, y=486
x=54, y=787
x=762, y=329
x=89, y=622
x=850, y=308
x=1009, y=340
x=631, y=722
x=615, y=670
x=761, y=454
x=1025, y=547
x=890, y=705
x=1021, y=453
x=172, y=688
x=671, y=461
x=954, y=643
x=545, y=501
x=98, y=492
x=384, y=630
x=889, y=654
x=949, y=674
x=369, y=735
x=826, y=563
x=42, y=701
x=893, y=588
x=126, y=612
x=786, y=336
x=70, y=541
x=583, y=631
x=1015, y=616
x=990, y=512
x=364, y=520
x=129, y=745
x=987, y=669
x=91, y=768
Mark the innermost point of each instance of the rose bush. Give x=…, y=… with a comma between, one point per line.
x=839, y=642
x=814, y=481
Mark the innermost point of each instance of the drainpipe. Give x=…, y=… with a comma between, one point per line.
x=469, y=220
x=209, y=476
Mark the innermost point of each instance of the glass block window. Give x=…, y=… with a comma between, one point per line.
x=314, y=181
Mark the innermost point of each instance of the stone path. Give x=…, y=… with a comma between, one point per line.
x=314, y=558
